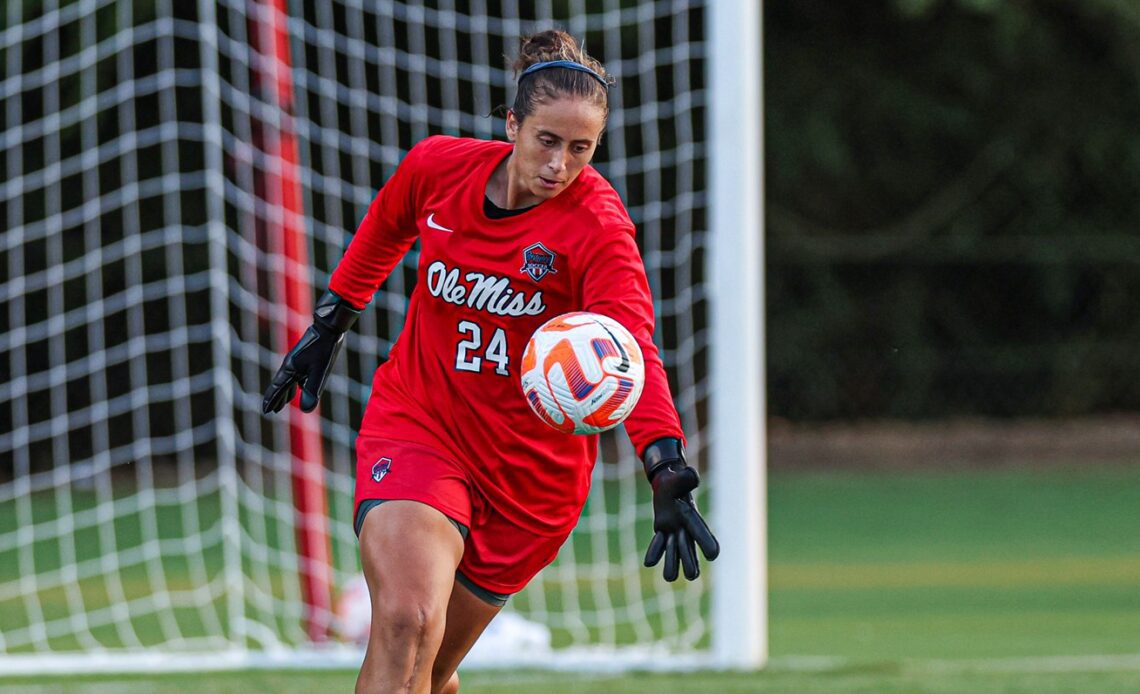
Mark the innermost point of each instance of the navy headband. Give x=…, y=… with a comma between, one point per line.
x=569, y=64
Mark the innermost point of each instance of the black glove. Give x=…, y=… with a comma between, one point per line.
x=310, y=362
x=677, y=522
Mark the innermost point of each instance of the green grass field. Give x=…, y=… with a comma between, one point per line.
x=1016, y=580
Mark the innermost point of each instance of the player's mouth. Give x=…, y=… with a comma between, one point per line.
x=549, y=183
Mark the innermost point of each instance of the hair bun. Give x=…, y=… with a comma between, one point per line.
x=545, y=85
x=552, y=44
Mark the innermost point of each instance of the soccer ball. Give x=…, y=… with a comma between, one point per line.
x=582, y=373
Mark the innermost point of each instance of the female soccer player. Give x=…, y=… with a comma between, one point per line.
x=462, y=494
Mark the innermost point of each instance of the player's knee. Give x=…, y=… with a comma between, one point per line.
x=408, y=621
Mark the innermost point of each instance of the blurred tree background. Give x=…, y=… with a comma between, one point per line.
x=952, y=208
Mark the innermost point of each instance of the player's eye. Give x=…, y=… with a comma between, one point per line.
x=547, y=141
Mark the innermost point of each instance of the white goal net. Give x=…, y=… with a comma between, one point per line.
x=148, y=151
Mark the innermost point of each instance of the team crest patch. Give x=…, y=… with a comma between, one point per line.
x=381, y=468
x=538, y=261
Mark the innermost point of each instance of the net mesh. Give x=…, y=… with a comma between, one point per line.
x=145, y=503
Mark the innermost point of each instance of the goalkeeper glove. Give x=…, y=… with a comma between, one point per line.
x=311, y=360
x=676, y=521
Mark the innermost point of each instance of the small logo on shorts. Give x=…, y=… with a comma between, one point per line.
x=381, y=468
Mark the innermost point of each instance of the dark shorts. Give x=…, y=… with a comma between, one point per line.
x=499, y=557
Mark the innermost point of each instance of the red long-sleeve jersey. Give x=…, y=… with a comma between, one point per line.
x=452, y=380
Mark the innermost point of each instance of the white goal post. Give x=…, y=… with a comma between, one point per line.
x=180, y=178
x=737, y=379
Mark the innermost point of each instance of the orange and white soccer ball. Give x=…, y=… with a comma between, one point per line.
x=582, y=373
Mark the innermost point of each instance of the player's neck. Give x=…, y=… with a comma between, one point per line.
x=503, y=188
x=496, y=190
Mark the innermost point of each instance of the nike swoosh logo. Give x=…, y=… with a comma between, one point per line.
x=434, y=225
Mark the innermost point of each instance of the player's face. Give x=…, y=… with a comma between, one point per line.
x=552, y=146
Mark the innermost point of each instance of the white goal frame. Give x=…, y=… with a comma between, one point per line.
x=732, y=443
x=737, y=380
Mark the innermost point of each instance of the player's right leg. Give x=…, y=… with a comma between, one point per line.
x=412, y=508
x=410, y=552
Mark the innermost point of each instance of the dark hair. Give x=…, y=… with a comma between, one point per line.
x=549, y=84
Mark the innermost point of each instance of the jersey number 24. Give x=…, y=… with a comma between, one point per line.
x=467, y=352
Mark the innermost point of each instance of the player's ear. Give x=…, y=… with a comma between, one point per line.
x=512, y=126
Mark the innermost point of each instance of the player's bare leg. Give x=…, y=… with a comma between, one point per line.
x=467, y=617
x=410, y=552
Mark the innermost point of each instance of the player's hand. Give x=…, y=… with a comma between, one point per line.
x=678, y=525
x=310, y=362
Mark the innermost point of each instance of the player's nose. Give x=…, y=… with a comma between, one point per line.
x=557, y=161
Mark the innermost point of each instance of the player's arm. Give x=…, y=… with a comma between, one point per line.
x=614, y=284
x=385, y=234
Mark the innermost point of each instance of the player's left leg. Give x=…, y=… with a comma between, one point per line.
x=467, y=616
x=499, y=559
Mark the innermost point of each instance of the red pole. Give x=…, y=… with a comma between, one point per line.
x=286, y=222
